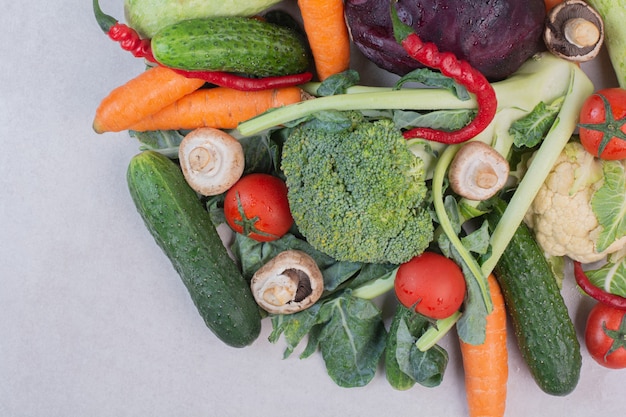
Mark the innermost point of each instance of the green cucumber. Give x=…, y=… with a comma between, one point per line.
x=231, y=44
x=181, y=226
x=544, y=330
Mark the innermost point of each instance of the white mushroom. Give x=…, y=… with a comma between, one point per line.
x=574, y=31
x=288, y=283
x=211, y=160
x=478, y=171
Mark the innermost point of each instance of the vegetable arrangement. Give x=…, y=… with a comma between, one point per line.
x=456, y=198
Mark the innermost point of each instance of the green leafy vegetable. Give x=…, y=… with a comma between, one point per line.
x=609, y=205
x=611, y=277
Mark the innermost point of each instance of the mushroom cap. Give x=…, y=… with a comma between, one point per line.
x=478, y=171
x=574, y=31
x=211, y=160
x=288, y=283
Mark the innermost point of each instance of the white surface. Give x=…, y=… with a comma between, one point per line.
x=93, y=319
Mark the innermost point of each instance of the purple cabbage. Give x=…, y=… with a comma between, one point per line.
x=494, y=36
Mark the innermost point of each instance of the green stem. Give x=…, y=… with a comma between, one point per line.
x=444, y=221
x=436, y=332
x=105, y=21
x=376, y=287
x=580, y=87
x=380, y=98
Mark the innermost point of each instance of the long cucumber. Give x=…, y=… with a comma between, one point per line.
x=181, y=226
x=544, y=330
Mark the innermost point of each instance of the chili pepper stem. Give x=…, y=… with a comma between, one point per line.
x=105, y=21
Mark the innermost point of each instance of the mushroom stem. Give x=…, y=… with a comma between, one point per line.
x=200, y=158
x=574, y=31
x=211, y=160
x=581, y=32
x=287, y=283
x=486, y=176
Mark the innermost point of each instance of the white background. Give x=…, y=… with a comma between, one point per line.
x=93, y=319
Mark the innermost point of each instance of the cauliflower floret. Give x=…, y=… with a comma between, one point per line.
x=561, y=215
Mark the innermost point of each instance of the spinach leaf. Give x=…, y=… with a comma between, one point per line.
x=532, y=128
x=430, y=78
x=352, y=339
x=415, y=324
x=349, y=332
x=294, y=327
x=163, y=141
x=424, y=367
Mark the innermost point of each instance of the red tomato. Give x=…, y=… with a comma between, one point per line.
x=597, y=132
x=605, y=336
x=432, y=284
x=257, y=206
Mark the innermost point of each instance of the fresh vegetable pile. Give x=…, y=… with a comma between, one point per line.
x=463, y=189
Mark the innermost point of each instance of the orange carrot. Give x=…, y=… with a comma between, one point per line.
x=327, y=32
x=219, y=107
x=486, y=365
x=143, y=95
x=551, y=3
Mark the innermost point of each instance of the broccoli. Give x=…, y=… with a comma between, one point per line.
x=358, y=193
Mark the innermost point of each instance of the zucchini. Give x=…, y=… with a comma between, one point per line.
x=544, y=330
x=181, y=226
x=231, y=44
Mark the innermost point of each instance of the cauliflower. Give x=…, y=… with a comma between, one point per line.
x=564, y=215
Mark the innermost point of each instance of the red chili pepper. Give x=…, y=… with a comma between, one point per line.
x=130, y=41
x=597, y=293
x=237, y=82
x=460, y=71
x=463, y=73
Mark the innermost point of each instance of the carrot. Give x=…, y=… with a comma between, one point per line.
x=219, y=107
x=551, y=3
x=486, y=365
x=327, y=32
x=143, y=95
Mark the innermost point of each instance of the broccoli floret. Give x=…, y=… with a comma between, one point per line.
x=358, y=194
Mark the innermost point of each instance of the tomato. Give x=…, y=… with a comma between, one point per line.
x=257, y=206
x=603, y=136
x=432, y=284
x=605, y=336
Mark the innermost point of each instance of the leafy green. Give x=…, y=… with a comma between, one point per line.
x=349, y=332
x=609, y=205
x=530, y=130
x=162, y=141
x=438, y=119
x=424, y=367
x=352, y=340
x=430, y=78
x=338, y=83
x=611, y=277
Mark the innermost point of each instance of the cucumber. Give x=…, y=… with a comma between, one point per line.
x=544, y=330
x=231, y=44
x=181, y=226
